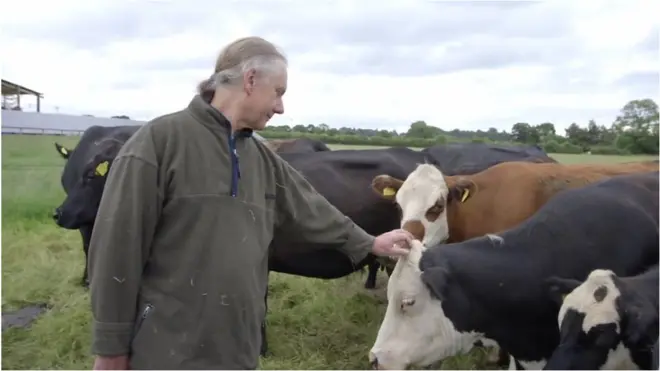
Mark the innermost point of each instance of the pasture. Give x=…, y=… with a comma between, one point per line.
x=312, y=324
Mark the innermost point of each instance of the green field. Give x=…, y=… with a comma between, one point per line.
x=313, y=324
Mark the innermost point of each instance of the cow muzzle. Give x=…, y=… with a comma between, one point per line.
x=373, y=361
x=375, y=364
x=56, y=214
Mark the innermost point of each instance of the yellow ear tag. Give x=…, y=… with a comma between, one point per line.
x=102, y=168
x=64, y=151
x=466, y=194
x=389, y=191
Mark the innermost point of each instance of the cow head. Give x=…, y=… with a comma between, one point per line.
x=63, y=151
x=598, y=322
x=423, y=199
x=82, y=201
x=415, y=329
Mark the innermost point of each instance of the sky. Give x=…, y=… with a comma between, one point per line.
x=462, y=64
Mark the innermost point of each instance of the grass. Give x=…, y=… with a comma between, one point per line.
x=313, y=324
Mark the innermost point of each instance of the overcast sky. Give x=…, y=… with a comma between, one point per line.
x=468, y=64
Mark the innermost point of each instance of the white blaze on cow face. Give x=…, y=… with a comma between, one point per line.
x=415, y=330
x=595, y=301
x=423, y=202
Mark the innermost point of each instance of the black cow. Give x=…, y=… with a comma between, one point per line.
x=94, y=154
x=607, y=322
x=343, y=177
x=494, y=288
x=297, y=145
x=471, y=158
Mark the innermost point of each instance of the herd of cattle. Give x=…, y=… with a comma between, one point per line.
x=553, y=265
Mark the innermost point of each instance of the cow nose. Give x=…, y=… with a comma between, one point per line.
x=56, y=214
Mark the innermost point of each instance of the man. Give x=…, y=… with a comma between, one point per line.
x=178, y=259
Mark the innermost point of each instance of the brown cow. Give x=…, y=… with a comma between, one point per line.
x=490, y=201
x=437, y=208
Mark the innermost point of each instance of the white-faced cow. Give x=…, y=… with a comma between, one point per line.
x=606, y=322
x=493, y=289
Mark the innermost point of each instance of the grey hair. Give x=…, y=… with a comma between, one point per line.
x=239, y=57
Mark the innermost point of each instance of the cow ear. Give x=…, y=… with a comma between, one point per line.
x=101, y=169
x=461, y=190
x=558, y=287
x=386, y=186
x=63, y=151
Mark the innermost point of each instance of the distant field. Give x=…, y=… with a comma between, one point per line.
x=313, y=324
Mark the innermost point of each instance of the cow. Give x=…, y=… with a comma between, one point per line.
x=606, y=322
x=471, y=158
x=495, y=288
x=83, y=179
x=296, y=145
x=438, y=208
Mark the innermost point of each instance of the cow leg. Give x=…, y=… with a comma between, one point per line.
x=86, y=233
x=370, y=283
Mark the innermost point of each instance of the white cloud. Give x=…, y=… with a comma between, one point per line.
x=144, y=59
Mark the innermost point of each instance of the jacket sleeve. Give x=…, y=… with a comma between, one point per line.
x=119, y=248
x=310, y=217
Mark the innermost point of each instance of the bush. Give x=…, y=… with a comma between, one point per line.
x=608, y=150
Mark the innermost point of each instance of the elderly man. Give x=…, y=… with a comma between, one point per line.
x=178, y=259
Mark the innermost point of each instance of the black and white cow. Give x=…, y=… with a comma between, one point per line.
x=493, y=289
x=606, y=322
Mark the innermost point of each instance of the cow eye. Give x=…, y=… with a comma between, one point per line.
x=434, y=211
x=407, y=302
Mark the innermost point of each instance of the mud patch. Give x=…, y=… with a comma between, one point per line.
x=23, y=317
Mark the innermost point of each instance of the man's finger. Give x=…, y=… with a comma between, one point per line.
x=399, y=251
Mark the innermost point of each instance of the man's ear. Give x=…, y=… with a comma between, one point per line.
x=558, y=287
x=461, y=190
x=386, y=186
x=249, y=80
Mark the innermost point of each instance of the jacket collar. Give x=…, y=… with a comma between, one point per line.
x=212, y=118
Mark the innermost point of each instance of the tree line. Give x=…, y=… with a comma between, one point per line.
x=634, y=131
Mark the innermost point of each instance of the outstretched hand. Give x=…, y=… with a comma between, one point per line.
x=393, y=243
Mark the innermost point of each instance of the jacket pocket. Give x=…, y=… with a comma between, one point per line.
x=160, y=338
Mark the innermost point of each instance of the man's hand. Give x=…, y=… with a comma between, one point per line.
x=393, y=243
x=111, y=363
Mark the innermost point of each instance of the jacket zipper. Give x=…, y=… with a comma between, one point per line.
x=145, y=314
x=235, y=169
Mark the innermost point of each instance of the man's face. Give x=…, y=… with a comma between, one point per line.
x=264, y=97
